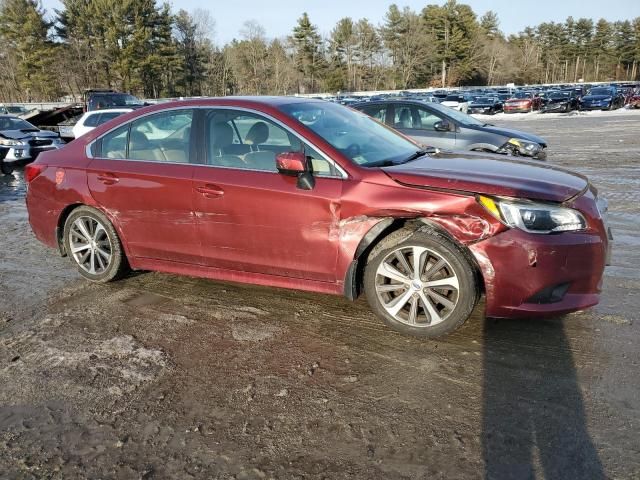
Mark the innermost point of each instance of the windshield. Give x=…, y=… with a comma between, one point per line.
x=454, y=98
x=15, y=109
x=11, y=123
x=559, y=95
x=522, y=95
x=484, y=100
x=359, y=137
x=111, y=100
x=601, y=91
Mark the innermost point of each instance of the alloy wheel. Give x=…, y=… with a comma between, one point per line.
x=417, y=286
x=90, y=245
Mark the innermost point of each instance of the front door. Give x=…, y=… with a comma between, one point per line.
x=142, y=178
x=252, y=218
x=419, y=123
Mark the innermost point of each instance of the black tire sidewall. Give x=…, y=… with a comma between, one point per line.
x=118, y=260
x=6, y=168
x=459, y=261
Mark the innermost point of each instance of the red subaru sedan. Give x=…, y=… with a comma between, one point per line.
x=311, y=195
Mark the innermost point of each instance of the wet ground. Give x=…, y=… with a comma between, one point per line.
x=167, y=377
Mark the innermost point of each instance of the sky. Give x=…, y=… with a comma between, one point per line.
x=278, y=17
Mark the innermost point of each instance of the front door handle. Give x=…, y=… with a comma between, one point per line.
x=107, y=178
x=210, y=191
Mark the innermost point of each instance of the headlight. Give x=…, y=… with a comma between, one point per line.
x=6, y=142
x=520, y=146
x=534, y=217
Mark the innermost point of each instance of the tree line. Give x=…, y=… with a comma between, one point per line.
x=145, y=48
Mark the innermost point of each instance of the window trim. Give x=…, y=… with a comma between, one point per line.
x=341, y=171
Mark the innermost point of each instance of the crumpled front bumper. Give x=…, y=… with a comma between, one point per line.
x=530, y=275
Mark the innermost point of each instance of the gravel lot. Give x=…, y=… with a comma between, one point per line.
x=166, y=377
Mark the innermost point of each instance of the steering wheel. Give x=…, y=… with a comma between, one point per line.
x=352, y=150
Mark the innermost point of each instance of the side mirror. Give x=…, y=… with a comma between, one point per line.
x=441, y=126
x=295, y=164
x=291, y=163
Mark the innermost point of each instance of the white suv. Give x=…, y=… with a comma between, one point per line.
x=95, y=118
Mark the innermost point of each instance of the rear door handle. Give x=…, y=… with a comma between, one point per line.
x=210, y=191
x=107, y=178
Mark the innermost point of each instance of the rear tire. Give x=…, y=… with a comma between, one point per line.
x=93, y=245
x=435, y=301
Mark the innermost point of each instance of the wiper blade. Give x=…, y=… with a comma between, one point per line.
x=419, y=153
x=413, y=156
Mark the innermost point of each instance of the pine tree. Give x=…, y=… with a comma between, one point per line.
x=308, y=52
x=24, y=34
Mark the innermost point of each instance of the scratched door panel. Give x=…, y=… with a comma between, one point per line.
x=263, y=223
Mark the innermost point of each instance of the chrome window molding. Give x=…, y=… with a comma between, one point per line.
x=342, y=173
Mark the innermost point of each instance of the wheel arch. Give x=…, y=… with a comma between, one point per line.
x=66, y=211
x=354, y=277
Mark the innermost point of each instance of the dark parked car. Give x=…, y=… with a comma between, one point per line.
x=485, y=105
x=442, y=127
x=522, y=102
x=560, y=101
x=21, y=142
x=602, y=98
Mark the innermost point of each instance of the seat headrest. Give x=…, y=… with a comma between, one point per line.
x=257, y=134
x=221, y=134
x=138, y=140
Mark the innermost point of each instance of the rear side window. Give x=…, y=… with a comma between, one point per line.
x=105, y=117
x=92, y=120
x=162, y=137
x=114, y=144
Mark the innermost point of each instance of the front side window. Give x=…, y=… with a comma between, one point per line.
x=161, y=137
x=378, y=112
x=244, y=140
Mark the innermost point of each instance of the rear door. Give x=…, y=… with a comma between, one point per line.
x=252, y=218
x=142, y=177
x=418, y=122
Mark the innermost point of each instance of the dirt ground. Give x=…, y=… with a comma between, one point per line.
x=166, y=377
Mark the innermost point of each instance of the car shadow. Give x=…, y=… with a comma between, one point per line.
x=534, y=423
x=12, y=186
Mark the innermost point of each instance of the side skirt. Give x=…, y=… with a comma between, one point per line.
x=214, y=273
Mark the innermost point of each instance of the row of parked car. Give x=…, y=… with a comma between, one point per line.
x=438, y=119
x=489, y=101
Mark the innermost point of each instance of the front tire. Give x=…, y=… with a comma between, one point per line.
x=93, y=245
x=6, y=168
x=422, y=284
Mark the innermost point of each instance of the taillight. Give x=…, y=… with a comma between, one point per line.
x=32, y=171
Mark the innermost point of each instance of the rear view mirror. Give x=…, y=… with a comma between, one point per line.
x=441, y=126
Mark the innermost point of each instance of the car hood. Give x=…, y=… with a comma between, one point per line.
x=509, y=133
x=590, y=98
x=557, y=100
x=481, y=105
x=490, y=175
x=450, y=103
x=516, y=100
x=19, y=134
